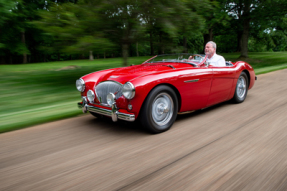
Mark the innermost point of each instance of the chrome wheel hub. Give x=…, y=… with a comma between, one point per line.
x=241, y=87
x=162, y=109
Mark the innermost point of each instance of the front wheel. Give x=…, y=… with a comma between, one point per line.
x=241, y=88
x=159, y=109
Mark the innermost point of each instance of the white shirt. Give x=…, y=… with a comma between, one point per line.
x=216, y=60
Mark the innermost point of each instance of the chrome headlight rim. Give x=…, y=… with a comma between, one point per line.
x=128, y=90
x=80, y=85
x=91, y=96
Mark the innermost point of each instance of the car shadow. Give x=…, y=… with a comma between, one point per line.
x=119, y=127
x=123, y=127
x=200, y=111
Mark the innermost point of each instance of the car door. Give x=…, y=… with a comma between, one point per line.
x=194, y=87
x=221, y=84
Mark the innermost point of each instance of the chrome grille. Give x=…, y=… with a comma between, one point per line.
x=104, y=88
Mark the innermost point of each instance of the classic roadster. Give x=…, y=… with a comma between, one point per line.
x=155, y=91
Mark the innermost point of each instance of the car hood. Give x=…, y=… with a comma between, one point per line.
x=125, y=74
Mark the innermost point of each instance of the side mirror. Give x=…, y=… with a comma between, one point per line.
x=207, y=63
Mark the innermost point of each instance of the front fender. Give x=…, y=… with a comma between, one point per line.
x=145, y=84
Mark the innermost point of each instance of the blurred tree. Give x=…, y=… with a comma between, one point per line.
x=190, y=20
x=17, y=34
x=76, y=28
x=69, y=28
x=100, y=24
x=122, y=23
x=278, y=32
x=253, y=12
x=6, y=7
x=216, y=17
x=171, y=23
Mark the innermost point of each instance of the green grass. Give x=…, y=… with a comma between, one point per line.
x=41, y=92
x=37, y=93
x=262, y=62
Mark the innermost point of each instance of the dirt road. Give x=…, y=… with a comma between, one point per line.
x=225, y=147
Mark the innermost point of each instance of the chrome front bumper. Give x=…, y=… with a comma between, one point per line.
x=113, y=113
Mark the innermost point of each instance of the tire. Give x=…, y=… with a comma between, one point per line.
x=241, y=88
x=159, y=110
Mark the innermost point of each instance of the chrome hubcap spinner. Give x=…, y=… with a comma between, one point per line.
x=162, y=109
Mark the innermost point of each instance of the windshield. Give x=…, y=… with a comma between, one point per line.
x=194, y=59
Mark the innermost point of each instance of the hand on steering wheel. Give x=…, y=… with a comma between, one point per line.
x=193, y=56
x=198, y=55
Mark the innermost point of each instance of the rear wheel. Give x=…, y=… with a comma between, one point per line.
x=159, y=110
x=241, y=88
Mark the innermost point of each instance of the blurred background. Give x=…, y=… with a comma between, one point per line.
x=46, y=45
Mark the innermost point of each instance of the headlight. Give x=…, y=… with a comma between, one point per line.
x=128, y=90
x=91, y=96
x=80, y=84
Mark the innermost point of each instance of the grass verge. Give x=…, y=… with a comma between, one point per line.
x=42, y=92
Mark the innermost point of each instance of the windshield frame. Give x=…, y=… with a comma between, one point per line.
x=197, y=60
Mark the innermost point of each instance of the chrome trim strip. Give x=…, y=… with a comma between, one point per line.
x=188, y=81
x=185, y=112
x=109, y=81
x=171, y=66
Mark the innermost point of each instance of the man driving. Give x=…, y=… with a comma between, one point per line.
x=213, y=58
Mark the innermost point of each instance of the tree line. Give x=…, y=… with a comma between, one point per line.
x=48, y=30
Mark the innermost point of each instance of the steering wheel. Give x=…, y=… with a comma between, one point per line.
x=197, y=55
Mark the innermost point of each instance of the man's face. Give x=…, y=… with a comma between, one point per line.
x=209, y=50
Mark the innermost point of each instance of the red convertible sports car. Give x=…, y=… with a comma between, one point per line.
x=161, y=87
